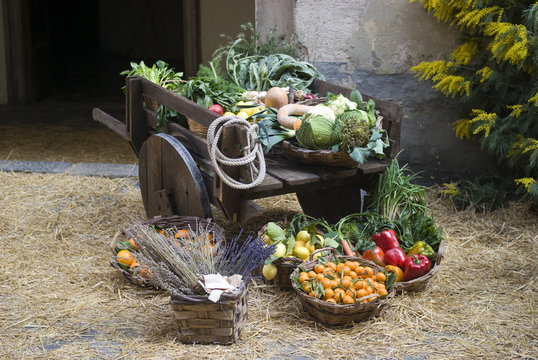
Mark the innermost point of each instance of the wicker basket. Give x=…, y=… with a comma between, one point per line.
x=202, y=321
x=322, y=157
x=129, y=276
x=284, y=265
x=337, y=314
x=151, y=104
x=174, y=221
x=422, y=282
x=197, y=128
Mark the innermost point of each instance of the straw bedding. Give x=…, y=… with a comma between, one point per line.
x=60, y=299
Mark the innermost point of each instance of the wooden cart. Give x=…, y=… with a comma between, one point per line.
x=176, y=175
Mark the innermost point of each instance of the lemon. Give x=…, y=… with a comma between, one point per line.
x=298, y=243
x=243, y=114
x=280, y=250
x=303, y=236
x=269, y=271
x=301, y=252
x=310, y=247
x=228, y=113
x=267, y=239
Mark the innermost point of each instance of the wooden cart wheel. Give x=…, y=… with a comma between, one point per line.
x=170, y=181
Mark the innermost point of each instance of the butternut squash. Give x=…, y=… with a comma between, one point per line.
x=283, y=115
x=276, y=98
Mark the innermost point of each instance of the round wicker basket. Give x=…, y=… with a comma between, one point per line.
x=336, y=314
x=422, y=282
x=175, y=221
x=285, y=265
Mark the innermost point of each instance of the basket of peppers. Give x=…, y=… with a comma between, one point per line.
x=414, y=269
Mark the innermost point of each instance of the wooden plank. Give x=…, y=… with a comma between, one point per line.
x=330, y=173
x=154, y=180
x=226, y=196
x=110, y=122
x=374, y=166
x=137, y=127
x=164, y=205
x=178, y=103
x=291, y=175
x=191, y=36
x=192, y=141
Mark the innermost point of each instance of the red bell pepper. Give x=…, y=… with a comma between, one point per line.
x=395, y=256
x=375, y=255
x=416, y=266
x=386, y=239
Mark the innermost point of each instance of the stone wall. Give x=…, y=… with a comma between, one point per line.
x=370, y=45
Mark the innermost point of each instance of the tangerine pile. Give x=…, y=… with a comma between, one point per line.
x=345, y=282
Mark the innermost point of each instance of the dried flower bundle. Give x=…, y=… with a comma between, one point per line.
x=178, y=257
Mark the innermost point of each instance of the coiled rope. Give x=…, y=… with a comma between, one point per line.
x=252, y=153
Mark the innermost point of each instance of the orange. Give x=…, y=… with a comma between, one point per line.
x=353, y=274
x=331, y=265
x=125, y=257
x=346, y=270
x=306, y=287
x=331, y=300
x=350, y=264
x=359, y=285
x=320, y=276
x=319, y=268
x=339, y=268
x=303, y=277
x=346, y=282
x=311, y=274
x=326, y=283
x=347, y=299
x=380, y=277
x=368, y=271
x=382, y=292
x=361, y=293
x=329, y=293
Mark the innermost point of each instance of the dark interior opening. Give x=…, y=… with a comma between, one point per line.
x=89, y=42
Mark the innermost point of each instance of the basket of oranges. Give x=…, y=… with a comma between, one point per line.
x=125, y=249
x=337, y=290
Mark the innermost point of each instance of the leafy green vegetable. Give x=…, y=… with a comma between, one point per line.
x=316, y=132
x=275, y=232
x=270, y=133
x=159, y=73
x=209, y=87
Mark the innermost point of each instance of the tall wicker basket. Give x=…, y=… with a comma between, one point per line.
x=202, y=321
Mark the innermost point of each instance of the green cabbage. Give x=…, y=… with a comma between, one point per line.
x=316, y=133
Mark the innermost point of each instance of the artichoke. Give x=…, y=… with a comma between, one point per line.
x=354, y=129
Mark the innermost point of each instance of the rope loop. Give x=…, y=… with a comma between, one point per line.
x=252, y=153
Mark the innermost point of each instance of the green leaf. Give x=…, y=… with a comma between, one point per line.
x=356, y=97
x=359, y=154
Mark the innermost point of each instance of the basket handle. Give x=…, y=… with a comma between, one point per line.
x=330, y=249
x=114, y=241
x=440, y=253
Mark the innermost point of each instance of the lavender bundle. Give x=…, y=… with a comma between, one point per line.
x=178, y=262
x=242, y=257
